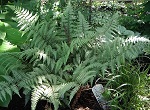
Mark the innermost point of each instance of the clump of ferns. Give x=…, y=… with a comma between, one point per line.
x=60, y=59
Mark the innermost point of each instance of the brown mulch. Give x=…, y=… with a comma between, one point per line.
x=85, y=100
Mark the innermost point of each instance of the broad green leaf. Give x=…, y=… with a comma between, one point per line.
x=15, y=36
x=7, y=46
x=2, y=27
x=10, y=24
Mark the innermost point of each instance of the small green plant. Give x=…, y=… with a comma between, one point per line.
x=128, y=89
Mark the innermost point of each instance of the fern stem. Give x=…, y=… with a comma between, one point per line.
x=67, y=34
x=90, y=11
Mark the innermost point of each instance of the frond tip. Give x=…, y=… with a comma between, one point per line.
x=134, y=39
x=25, y=18
x=49, y=93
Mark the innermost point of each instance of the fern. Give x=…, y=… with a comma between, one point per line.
x=25, y=18
x=7, y=87
x=109, y=29
x=113, y=54
x=83, y=26
x=61, y=56
x=9, y=61
x=45, y=92
x=67, y=23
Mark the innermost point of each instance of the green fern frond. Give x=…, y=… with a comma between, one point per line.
x=80, y=42
x=83, y=74
x=7, y=87
x=147, y=49
x=9, y=61
x=109, y=29
x=73, y=92
x=66, y=87
x=9, y=84
x=4, y=86
x=83, y=26
x=45, y=35
x=117, y=52
x=68, y=21
x=39, y=75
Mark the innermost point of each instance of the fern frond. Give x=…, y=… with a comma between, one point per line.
x=109, y=29
x=66, y=87
x=9, y=61
x=4, y=86
x=25, y=18
x=43, y=34
x=56, y=61
x=39, y=75
x=135, y=39
x=147, y=49
x=83, y=74
x=68, y=23
x=73, y=92
x=7, y=87
x=80, y=42
x=118, y=51
x=37, y=94
x=47, y=92
x=83, y=26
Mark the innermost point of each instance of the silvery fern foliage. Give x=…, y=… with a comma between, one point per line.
x=61, y=56
x=25, y=18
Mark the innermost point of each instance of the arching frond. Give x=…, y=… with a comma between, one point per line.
x=115, y=53
x=109, y=29
x=9, y=61
x=83, y=26
x=68, y=21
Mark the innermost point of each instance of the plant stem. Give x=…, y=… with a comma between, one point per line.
x=90, y=11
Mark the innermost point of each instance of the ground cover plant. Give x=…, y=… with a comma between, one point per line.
x=55, y=52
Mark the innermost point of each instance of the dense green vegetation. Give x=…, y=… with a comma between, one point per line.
x=52, y=48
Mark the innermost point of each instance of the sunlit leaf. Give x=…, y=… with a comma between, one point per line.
x=15, y=36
